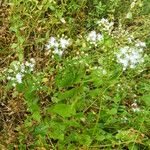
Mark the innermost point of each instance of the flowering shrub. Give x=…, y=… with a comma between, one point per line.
x=86, y=89
x=17, y=71
x=131, y=56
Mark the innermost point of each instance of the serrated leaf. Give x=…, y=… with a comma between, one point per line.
x=63, y=110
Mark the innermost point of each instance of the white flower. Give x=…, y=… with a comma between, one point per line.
x=52, y=43
x=61, y=43
x=130, y=56
x=31, y=66
x=64, y=43
x=92, y=36
x=134, y=57
x=124, y=62
x=58, y=52
x=100, y=37
x=32, y=60
x=124, y=49
x=130, y=38
x=52, y=40
x=132, y=4
x=27, y=63
x=105, y=24
x=15, y=76
x=140, y=44
x=135, y=107
x=103, y=21
x=19, y=77
x=16, y=66
x=22, y=68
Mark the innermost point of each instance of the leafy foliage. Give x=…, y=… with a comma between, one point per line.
x=83, y=98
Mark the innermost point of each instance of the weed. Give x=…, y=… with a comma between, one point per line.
x=74, y=74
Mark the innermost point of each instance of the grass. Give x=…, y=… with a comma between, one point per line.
x=74, y=74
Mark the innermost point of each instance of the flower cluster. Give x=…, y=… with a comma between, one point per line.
x=130, y=56
x=105, y=24
x=18, y=70
x=58, y=45
x=94, y=37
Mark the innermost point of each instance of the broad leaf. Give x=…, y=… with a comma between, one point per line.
x=63, y=110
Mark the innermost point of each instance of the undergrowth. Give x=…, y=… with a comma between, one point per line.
x=75, y=74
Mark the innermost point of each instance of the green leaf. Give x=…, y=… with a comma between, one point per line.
x=57, y=130
x=20, y=87
x=14, y=45
x=94, y=93
x=41, y=129
x=85, y=139
x=69, y=123
x=126, y=135
x=133, y=146
x=69, y=93
x=57, y=134
x=69, y=75
x=100, y=137
x=112, y=111
x=63, y=110
x=146, y=99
